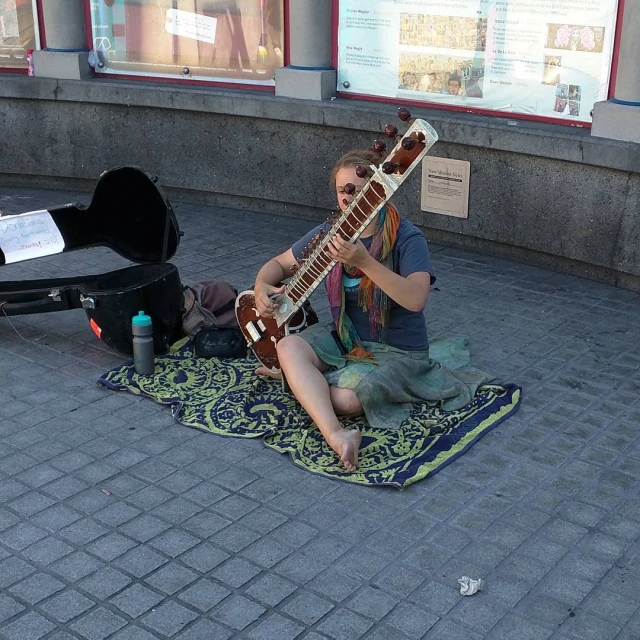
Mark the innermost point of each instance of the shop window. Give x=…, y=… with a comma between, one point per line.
x=229, y=40
x=17, y=32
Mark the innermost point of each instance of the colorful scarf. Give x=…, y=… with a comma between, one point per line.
x=370, y=297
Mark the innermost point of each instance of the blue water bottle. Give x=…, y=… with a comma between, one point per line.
x=143, y=356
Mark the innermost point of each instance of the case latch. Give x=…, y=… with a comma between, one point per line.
x=54, y=294
x=87, y=302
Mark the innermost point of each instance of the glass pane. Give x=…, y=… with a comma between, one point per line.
x=17, y=33
x=237, y=40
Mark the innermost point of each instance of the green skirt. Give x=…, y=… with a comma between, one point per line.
x=388, y=387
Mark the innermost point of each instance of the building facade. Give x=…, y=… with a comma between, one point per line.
x=268, y=93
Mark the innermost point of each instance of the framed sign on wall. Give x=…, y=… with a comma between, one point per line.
x=549, y=58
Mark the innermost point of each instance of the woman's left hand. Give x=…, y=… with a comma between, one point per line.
x=354, y=255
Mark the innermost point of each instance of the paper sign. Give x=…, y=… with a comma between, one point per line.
x=191, y=25
x=29, y=235
x=445, y=186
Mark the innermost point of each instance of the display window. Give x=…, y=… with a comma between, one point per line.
x=546, y=59
x=18, y=32
x=228, y=40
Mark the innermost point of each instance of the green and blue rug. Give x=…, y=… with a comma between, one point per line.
x=227, y=398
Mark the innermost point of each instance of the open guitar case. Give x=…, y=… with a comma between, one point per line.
x=130, y=214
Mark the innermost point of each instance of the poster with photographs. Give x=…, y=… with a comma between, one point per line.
x=548, y=58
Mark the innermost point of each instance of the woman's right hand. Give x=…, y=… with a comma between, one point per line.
x=264, y=304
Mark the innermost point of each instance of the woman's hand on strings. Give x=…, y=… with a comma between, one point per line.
x=263, y=294
x=353, y=255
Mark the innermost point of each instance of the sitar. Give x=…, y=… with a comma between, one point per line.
x=263, y=333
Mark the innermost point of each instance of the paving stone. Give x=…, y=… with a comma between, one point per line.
x=449, y=630
x=144, y=527
x=140, y=561
x=110, y=547
x=104, y=583
x=204, y=595
x=116, y=515
x=544, y=610
x=300, y=567
x=265, y=552
x=512, y=626
x=344, y=625
x=480, y=614
x=271, y=589
x=307, y=607
x=206, y=524
x=8, y=607
x=168, y=619
x=238, y=612
x=174, y=542
x=37, y=587
x=204, y=557
x=181, y=483
x=46, y=551
x=136, y=600
x=12, y=570
x=615, y=607
x=31, y=626
x=436, y=598
x=82, y=531
x=205, y=630
x=235, y=572
x=276, y=627
x=67, y=606
x=98, y=624
x=30, y=503
x=171, y=578
x=21, y=536
x=76, y=566
x=398, y=580
x=411, y=620
x=235, y=538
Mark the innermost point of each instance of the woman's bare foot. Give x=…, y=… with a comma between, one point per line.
x=347, y=445
x=263, y=371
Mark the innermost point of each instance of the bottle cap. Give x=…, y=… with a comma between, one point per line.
x=141, y=320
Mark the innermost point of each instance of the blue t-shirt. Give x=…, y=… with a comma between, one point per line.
x=406, y=329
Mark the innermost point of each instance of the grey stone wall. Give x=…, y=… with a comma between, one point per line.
x=550, y=195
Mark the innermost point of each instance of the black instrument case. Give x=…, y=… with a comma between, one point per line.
x=130, y=214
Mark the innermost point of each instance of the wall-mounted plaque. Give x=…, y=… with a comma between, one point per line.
x=445, y=186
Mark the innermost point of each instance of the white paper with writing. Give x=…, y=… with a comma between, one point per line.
x=29, y=235
x=191, y=25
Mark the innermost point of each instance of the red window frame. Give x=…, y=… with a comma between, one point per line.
x=497, y=114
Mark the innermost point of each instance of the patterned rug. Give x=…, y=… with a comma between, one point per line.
x=227, y=398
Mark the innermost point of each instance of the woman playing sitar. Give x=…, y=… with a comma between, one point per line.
x=374, y=357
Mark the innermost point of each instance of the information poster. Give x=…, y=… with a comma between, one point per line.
x=548, y=58
x=239, y=40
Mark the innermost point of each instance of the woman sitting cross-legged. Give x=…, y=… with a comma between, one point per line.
x=374, y=358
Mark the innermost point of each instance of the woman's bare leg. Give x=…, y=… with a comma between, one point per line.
x=304, y=370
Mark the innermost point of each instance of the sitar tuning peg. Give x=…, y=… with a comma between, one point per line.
x=345, y=201
x=349, y=188
x=389, y=167
x=379, y=146
x=391, y=131
x=404, y=114
x=361, y=171
x=408, y=144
